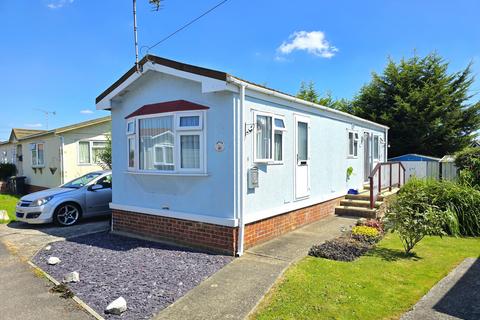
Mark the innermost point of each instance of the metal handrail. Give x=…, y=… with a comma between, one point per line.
x=390, y=182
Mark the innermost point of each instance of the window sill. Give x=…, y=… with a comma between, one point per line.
x=181, y=174
x=38, y=167
x=352, y=157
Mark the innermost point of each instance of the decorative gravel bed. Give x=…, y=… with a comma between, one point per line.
x=149, y=275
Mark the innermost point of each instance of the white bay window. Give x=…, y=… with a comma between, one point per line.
x=167, y=143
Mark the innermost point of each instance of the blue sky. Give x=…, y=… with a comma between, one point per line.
x=58, y=55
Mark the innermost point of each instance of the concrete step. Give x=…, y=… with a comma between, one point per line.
x=359, y=203
x=363, y=196
x=355, y=212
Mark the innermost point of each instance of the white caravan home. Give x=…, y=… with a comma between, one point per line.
x=207, y=159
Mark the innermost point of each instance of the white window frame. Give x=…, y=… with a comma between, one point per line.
x=90, y=150
x=131, y=130
x=134, y=138
x=356, y=138
x=282, y=131
x=273, y=116
x=188, y=114
x=376, y=136
x=177, y=131
x=35, y=147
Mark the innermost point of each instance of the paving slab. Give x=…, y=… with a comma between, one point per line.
x=23, y=295
x=235, y=291
x=26, y=239
x=457, y=296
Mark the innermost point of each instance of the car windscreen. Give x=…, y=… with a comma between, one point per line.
x=83, y=180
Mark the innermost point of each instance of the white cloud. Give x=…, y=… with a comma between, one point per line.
x=58, y=4
x=33, y=125
x=314, y=42
x=86, y=111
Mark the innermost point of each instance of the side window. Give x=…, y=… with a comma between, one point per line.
x=105, y=182
x=353, y=139
x=376, y=147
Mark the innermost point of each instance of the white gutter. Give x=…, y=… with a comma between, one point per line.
x=300, y=101
x=241, y=171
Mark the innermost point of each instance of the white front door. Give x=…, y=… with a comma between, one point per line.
x=302, y=157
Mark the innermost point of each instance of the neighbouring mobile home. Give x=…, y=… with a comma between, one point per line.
x=48, y=158
x=205, y=158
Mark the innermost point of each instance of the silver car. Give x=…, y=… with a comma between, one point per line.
x=86, y=196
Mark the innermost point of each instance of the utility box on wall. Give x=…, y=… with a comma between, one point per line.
x=252, y=178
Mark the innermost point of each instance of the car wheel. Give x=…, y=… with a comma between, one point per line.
x=66, y=214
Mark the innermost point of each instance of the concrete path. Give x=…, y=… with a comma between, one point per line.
x=235, y=291
x=25, y=296
x=457, y=296
x=25, y=240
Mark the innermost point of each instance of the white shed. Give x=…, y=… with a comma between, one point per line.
x=420, y=166
x=448, y=167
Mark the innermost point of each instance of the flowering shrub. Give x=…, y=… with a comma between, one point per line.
x=365, y=231
x=374, y=223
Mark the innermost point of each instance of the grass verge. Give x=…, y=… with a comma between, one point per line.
x=380, y=285
x=8, y=202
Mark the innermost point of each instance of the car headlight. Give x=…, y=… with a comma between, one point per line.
x=40, y=202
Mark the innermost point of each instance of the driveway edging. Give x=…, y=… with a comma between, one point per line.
x=75, y=298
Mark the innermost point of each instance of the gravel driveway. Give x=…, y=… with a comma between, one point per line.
x=149, y=275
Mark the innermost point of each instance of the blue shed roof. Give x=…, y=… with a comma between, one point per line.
x=414, y=157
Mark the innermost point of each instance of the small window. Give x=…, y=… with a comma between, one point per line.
x=38, y=154
x=97, y=148
x=353, y=144
x=84, y=152
x=131, y=152
x=131, y=127
x=376, y=147
x=279, y=124
x=189, y=122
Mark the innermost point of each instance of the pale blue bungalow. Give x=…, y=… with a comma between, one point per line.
x=205, y=158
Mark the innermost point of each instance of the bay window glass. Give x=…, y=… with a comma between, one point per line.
x=189, y=121
x=40, y=154
x=157, y=142
x=190, y=151
x=264, y=137
x=84, y=152
x=131, y=152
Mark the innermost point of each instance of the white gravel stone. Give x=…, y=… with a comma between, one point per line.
x=117, y=307
x=4, y=215
x=53, y=261
x=48, y=248
x=71, y=277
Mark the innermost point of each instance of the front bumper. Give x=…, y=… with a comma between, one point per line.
x=34, y=215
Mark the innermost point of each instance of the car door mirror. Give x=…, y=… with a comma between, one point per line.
x=95, y=187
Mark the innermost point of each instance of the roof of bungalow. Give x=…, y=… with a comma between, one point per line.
x=74, y=126
x=414, y=157
x=213, y=74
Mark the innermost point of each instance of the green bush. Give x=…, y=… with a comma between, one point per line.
x=468, y=163
x=7, y=170
x=459, y=205
x=413, y=217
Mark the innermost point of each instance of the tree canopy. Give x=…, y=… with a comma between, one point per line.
x=308, y=92
x=426, y=107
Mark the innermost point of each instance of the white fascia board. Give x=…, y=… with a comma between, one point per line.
x=177, y=215
x=300, y=104
x=106, y=102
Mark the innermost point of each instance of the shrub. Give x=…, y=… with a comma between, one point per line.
x=458, y=204
x=413, y=220
x=340, y=249
x=7, y=170
x=468, y=163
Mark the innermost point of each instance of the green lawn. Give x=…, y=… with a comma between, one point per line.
x=8, y=202
x=381, y=285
